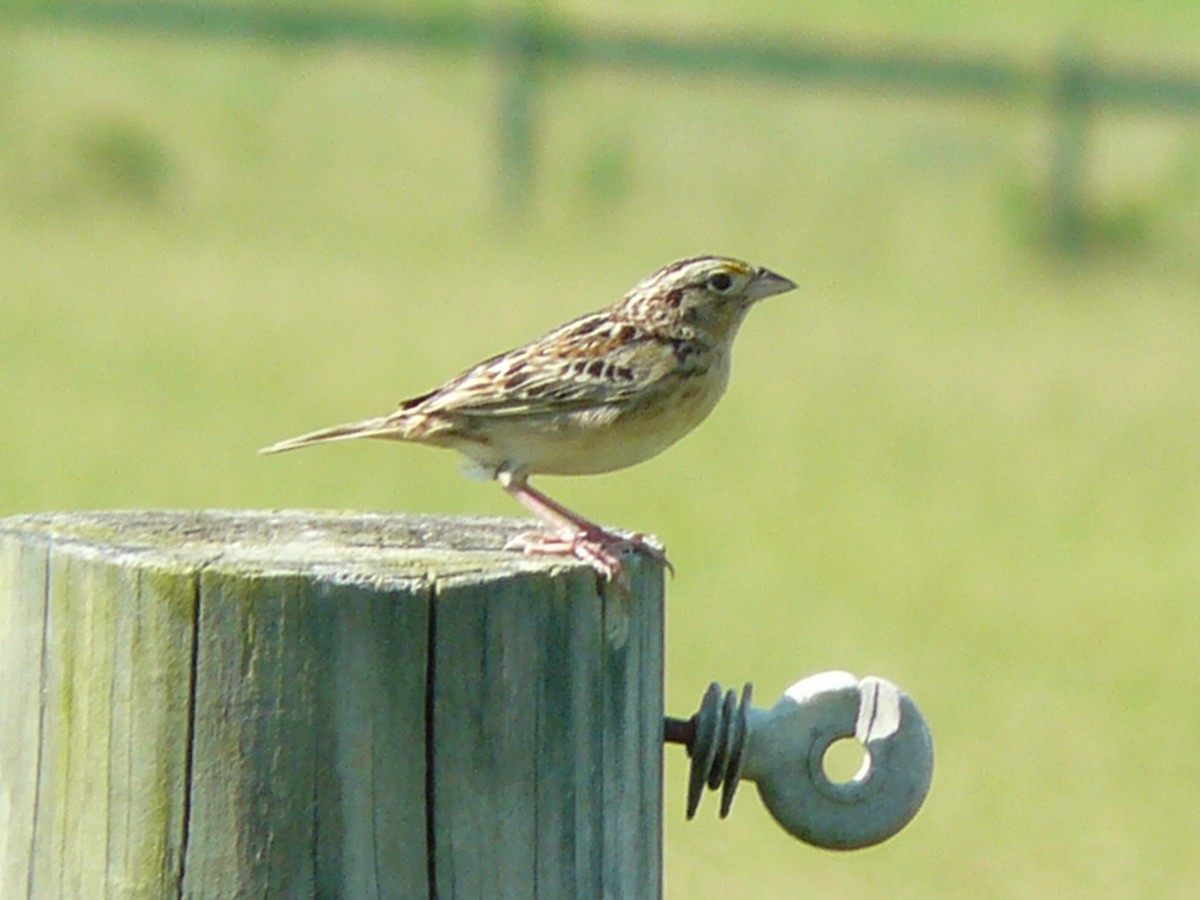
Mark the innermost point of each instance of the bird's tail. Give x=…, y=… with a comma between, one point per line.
x=382, y=427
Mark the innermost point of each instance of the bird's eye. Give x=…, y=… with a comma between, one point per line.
x=721, y=282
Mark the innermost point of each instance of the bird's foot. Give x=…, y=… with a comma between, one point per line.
x=600, y=549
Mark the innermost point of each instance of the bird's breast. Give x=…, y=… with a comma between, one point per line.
x=608, y=437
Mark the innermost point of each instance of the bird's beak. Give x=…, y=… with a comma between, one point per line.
x=767, y=284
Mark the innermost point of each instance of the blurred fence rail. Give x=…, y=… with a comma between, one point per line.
x=1071, y=86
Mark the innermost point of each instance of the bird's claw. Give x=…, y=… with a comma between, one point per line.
x=639, y=543
x=600, y=549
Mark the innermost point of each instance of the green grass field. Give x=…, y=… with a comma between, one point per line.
x=950, y=458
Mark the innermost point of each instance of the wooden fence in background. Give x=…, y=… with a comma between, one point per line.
x=1073, y=87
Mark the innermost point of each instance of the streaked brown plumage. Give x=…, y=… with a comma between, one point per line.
x=602, y=392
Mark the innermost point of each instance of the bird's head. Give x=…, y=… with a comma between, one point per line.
x=705, y=296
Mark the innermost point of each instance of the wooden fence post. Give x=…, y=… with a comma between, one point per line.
x=516, y=49
x=1070, y=99
x=219, y=704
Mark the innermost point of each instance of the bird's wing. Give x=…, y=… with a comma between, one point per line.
x=591, y=362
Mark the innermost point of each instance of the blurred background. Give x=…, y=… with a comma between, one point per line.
x=962, y=456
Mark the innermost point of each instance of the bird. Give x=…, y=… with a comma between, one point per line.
x=604, y=391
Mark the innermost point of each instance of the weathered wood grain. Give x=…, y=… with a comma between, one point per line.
x=219, y=703
x=22, y=632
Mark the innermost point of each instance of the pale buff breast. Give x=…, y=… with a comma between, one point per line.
x=601, y=440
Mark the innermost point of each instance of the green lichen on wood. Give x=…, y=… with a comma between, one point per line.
x=366, y=547
x=116, y=690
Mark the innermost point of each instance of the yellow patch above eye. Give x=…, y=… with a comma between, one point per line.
x=736, y=268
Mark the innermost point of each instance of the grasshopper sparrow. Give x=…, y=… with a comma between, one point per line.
x=602, y=392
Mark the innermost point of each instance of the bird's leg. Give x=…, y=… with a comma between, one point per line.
x=569, y=535
x=573, y=534
x=551, y=511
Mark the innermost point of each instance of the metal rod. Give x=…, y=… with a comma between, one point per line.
x=679, y=731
